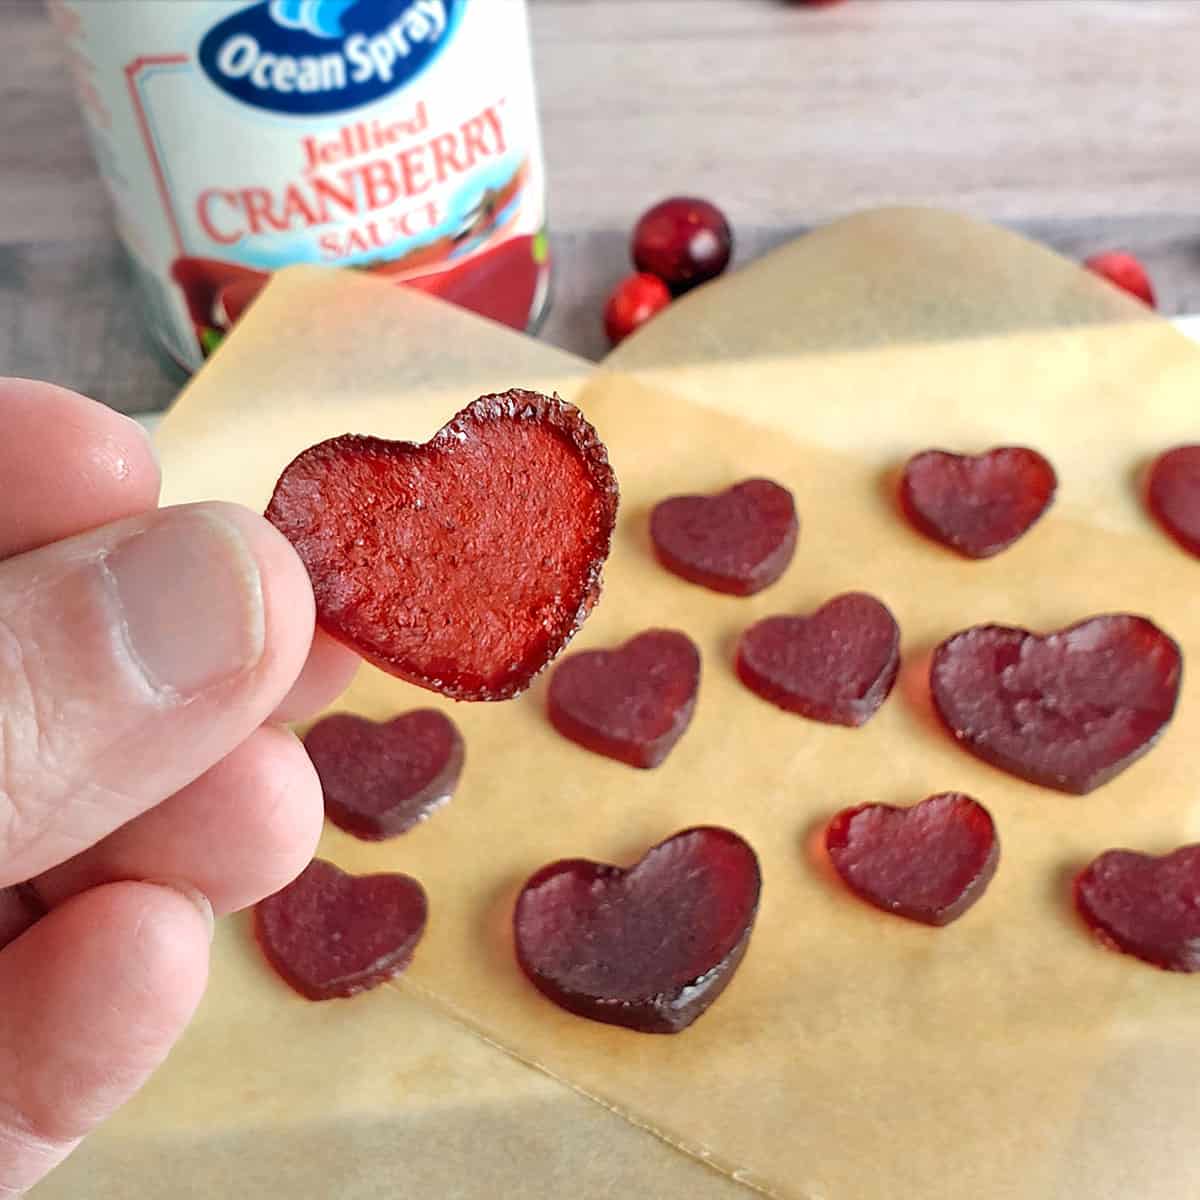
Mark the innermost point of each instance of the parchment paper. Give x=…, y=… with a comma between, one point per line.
x=854, y=1056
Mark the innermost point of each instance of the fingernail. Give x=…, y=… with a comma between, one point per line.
x=190, y=601
x=195, y=895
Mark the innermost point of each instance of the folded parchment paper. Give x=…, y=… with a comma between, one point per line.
x=854, y=1056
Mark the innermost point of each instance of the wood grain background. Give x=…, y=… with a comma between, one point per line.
x=1074, y=120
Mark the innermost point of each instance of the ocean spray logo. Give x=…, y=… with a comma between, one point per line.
x=325, y=56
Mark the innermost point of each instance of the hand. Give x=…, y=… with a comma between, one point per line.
x=144, y=655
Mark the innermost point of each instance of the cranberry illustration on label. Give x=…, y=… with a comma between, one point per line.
x=329, y=934
x=465, y=564
x=632, y=703
x=837, y=665
x=977, y=504
x=1069, y=710
x=379, y=780
x=1144, y=905
x=738, y=541
x=928, y=863
x=649, y=947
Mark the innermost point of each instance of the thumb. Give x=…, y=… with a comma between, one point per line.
x=91, y=1000
x=133, y=658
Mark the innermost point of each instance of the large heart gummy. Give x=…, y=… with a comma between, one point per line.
x=330, y=934
x=929, y=863
x=837, y=665
x=380, y=780
x=1069, y=710
x=465, y=564
x=738, y=541
x=1145, y=906
x=977, y=504
x=1173, y=493
x=633, y=703
x=650, y=947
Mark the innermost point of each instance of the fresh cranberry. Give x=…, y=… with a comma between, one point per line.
x=632, y=303
x=1120, y=267
x=684, y=241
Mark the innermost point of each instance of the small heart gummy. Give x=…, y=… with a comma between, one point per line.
x=738, y=541
x=977, y=504
x=1069, y=710
x=837, y=665
x=649, y=947
x=465, y=564
x=929, y=863
x=380, y=780
x=329, y=934
x=1145, y=906
x=1173, y=494
x=633, y=703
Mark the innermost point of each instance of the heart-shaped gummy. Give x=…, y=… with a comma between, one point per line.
x=649, y=947
x=1069, y=710
x=738, y=541
x=633, y=703
x=977, y=504
x=929, y=863
x=837, y=665
x=330, y=934
x=1173, y=493
x=380, y=780
x=1145, y=906
x=465, y=564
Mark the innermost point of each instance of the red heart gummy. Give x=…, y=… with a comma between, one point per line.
x=380, y=780
x=633, y=703
x=465, y=564
x=649, y=947
x=1173, y=494
x=977, y=504
x=929, y=863
x=1145, y=906
x=837, y=665
x=330, y=934
x=1123, y=269
x=1069, y=710
x=738, y=541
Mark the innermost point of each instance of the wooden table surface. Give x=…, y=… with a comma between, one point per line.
x=1074, y=120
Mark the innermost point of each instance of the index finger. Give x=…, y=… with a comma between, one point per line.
x=68, y=465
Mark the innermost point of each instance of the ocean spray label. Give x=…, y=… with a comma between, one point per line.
x=325, y=56
x=398, y=137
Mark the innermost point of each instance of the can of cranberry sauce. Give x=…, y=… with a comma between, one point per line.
x=396, y=137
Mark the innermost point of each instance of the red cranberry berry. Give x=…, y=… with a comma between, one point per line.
x=632, y=303
x=1120, y=267
x=684, y=241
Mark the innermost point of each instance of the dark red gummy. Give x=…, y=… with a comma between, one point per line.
x=977, y=504
x=1145, y=906
x=1123, y=269
x=1173, y=494
x=837, y=665
x=330, y=934
x=633, y=703
x=650, y=947
x=1069, y=710
x=465, y=564
x=738, y=541
x=684, y=241
x=632, y=303
x=379, y=780
x=929, y=863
